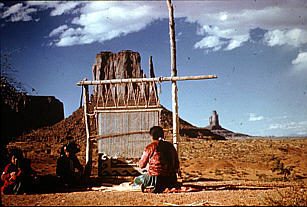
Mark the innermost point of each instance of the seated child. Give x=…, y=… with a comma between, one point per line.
x=12, y=174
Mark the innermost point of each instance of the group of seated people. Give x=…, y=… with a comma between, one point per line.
x=159, y=155
x=18, y=177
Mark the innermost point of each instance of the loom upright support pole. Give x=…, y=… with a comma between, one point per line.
x=174, y=74
x=88, y=158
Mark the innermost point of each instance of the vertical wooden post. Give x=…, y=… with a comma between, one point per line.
x=174, y=73
x=88, y=158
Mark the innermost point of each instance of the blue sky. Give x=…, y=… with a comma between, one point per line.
x=258, y=50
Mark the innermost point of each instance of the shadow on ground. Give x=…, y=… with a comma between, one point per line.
x=51, y=184
x=225, y=187
x=220, y=186
x=46, y=184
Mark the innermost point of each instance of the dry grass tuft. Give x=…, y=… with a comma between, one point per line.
x=296, y=196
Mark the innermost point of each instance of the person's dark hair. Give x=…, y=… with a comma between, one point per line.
x=72, y=147
x=62, y=152
x=156, y=132
x=16, y=152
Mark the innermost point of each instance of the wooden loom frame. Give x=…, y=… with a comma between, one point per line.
x=85, y=83
x=173, y=79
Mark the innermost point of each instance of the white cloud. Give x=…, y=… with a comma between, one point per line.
x=290, y=125
x=101, y=21
x=217, y=38
x=222, y=25
x=12, y=10
x=253, y=117
x=294, y=37
x=24, y=11
x=211, y=42
x=58, y=7
x=64, y=8
x=18, y=12
x=292, y=128
x=58, y=30
x=232, y=22
x=237, y=41
x=284, y=126
x=300, y=62
x=223, y=16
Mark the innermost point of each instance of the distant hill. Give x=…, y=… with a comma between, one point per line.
x=73, y=126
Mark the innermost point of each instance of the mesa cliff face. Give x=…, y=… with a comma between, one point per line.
x=121, y=65
x=29, y=113
x=124, y=64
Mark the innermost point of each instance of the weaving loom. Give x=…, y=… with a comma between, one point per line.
x=124, y=114
x=125, y=110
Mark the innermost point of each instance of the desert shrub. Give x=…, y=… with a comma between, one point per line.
x=262, y=176
x=218, y=172
x=296, y=196
x=281, y=169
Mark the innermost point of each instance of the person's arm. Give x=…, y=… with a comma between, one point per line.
x=60, y=166
x=144, y=159
x=5, y=175
x=175, y=160
x=16, y=174
x=78, y=164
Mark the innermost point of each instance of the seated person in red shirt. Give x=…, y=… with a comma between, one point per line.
x=163, y=163
x=12, y=174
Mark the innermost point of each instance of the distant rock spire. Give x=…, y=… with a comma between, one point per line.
x=214, y=121
x=216, y=128
x=151, y=69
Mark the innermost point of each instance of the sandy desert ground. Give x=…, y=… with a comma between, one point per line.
x=231, y=172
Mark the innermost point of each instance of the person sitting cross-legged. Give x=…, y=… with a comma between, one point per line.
x=12, y=175
x=163, y=163
x=67, y=164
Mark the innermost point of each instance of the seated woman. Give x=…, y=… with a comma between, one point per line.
x=12, y=175
x=67, y=164
x=163, y=163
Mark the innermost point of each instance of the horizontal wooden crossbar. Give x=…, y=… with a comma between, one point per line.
x=139, y=80
x=117, y=135
x=125, y=109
